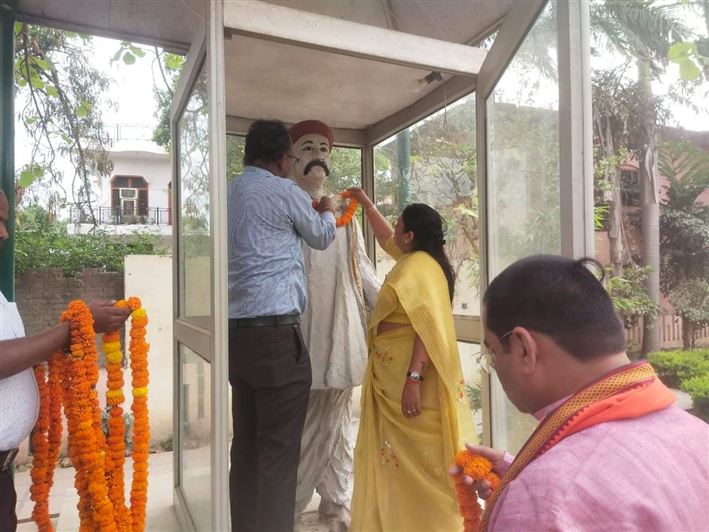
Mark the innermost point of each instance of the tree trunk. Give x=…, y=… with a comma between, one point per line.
x=615, y=208
x=650, y=207
x=687, y=335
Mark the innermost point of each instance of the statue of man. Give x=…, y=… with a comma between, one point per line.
x=342, y=288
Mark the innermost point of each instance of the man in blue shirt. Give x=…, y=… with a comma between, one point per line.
x=269, y=365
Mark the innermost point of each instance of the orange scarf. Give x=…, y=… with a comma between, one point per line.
x=625, y=393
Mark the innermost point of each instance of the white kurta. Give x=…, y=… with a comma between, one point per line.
x=342, y=286
x=19, y=398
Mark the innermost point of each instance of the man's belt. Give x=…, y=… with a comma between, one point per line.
x=266, y=321
x=6, y=459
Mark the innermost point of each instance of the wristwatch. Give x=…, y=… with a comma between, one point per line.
x=414, y=376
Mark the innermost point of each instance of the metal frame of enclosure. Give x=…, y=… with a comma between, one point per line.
x=235, y=44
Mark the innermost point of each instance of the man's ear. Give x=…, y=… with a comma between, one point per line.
x=528, y=349
x=281, y=164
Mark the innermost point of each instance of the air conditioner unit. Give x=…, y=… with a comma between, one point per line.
x=128, y=193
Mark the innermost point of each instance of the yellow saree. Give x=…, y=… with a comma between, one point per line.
x=401, y=465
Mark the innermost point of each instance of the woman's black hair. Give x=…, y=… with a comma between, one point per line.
x=427, y=226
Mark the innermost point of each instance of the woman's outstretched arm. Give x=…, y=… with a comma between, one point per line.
x=382, y=230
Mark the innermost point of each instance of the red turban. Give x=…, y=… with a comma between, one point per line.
x=309, y=127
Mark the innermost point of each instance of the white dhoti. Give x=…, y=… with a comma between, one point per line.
x=326, y=454
x=342, y=285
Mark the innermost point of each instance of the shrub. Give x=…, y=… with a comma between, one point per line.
x=698, y=388
x=43, y=243
x=673, y=367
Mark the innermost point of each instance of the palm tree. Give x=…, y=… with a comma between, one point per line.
x=643, y=30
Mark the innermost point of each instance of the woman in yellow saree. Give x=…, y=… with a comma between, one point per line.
x=414, y=411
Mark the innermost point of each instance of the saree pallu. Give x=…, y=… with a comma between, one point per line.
x=401, y=465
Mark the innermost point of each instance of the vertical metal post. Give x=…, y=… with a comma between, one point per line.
x=403, y=165
x=575, y=131
x=7, y=142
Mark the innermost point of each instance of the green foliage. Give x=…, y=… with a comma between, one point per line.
x=690, y=61
x=128, y=52
x=630, y=299
x=673, y=367
x=59, y=95
x=698, y=388
x=42, y=243
x=684, y=221
x=234, y=155
x=474, y=395
x=690, y=299
x=345, y=171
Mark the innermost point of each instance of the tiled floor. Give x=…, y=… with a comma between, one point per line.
x=63, y=497
x=160, y=514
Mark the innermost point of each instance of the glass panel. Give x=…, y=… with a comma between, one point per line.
x=471, y=362
x=523, y=178
x=195, y=287
x=234, y=155
x=195, y=436
x=434, y=162
x=345, y=171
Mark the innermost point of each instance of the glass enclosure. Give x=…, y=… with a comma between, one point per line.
x=195, y=436
x=434, y=162
x=523, y=179
x=195, y=293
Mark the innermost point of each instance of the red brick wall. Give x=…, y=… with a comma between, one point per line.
x=42, y=295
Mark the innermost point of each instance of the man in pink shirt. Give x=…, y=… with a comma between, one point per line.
x=611, y=452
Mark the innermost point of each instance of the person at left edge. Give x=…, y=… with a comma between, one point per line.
x=269, y=366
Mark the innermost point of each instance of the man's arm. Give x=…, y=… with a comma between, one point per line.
x=316, y=228
x=18, y=354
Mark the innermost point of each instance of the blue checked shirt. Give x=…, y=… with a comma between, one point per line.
x=267, y=217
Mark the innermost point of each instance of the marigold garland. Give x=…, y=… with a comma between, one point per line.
x=478, y=468
x=350, y=210
x=71, y=381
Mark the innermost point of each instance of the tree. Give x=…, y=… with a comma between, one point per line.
x=684, y=231
x=691, y=301
x=644, y=30
x=62, y=94
x=630, y=300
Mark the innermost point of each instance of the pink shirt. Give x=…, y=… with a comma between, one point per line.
x=648, y=473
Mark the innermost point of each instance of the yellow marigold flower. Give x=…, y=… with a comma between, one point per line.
x=140, y=392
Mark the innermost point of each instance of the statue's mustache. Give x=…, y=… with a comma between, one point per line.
x=316, y=162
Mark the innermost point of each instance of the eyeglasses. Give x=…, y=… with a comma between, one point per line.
x=489, y=356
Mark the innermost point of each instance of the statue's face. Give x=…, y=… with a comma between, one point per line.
x=313, y=166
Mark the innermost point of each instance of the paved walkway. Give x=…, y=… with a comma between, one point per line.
x=160, y=514
x=63, y=497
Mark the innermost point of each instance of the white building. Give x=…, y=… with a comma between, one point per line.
x=137, y=196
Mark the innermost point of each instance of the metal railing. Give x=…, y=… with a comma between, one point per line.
x=114, y=216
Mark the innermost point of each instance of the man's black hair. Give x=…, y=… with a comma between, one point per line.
x=558, y=297
x=266, y=142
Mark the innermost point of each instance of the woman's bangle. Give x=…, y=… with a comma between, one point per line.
x=371, y=208
x=409, y=380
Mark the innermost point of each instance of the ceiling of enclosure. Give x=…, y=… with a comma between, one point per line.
x=273, y=80
x=268, y=75
x=173, y=23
